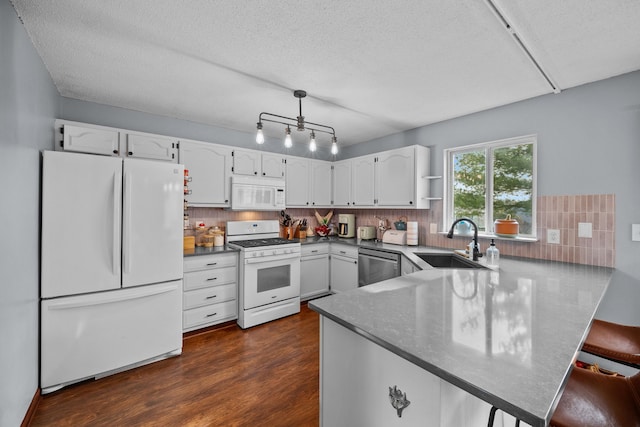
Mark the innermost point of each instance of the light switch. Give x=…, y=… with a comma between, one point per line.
x=584, y=229
x=635, y=232
x=433, y=228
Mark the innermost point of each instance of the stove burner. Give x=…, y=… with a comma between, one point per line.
x=254, y=243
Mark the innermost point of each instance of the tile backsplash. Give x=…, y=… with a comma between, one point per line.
x=562, y=213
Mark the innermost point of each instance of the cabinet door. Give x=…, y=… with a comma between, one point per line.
x=297, y=182
x=363, y=181
x=344, y=273
x=356, y=376
x=272, y=165
x=395, y=178
x=90, y=140
x=320, y=183
x=246, y=162
x=342, y=183
x=152, y=147
x=314, y=276
x=209, y=167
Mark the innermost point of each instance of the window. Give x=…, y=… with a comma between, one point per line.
x=489, y=181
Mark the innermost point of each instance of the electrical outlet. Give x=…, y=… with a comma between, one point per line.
x=433, y=228
x=553, y=236
x=585, y=229
x=635, y=232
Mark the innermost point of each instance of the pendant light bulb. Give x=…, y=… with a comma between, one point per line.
x=287, y=139
x=260, y=135
x=312, y=143
x=334, y=145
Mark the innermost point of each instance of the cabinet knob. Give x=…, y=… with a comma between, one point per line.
x=130, y=153
x=255, y=173
x=263, y=173
x=410, y=202
x=115, y=151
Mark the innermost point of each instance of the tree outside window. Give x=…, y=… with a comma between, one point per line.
x=491, y=181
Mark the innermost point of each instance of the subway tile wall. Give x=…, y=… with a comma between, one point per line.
x=562, y=213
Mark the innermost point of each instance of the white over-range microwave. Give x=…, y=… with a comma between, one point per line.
x=257, y=194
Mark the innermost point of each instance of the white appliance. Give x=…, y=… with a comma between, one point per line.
x=395, y=237
x=111, y=265
x=269, y=272
x=257, y=194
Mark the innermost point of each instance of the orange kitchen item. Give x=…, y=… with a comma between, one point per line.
x=506, y=227
x=188, y=242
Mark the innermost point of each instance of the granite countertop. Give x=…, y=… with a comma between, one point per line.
x=201, y=250
x=508, y=336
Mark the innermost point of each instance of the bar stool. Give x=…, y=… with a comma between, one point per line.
x=592, y=399
x=613, y=341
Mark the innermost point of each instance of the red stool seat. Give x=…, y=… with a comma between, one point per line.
x=613, y=341
x=592, y=399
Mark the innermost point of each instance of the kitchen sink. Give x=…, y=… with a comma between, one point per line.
x=447, y=261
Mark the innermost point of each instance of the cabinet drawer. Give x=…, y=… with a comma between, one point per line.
x=210, y=314
x=204, y=262
x=314, y=249
x=206, y=278
x=344, y=250
x=208, y=296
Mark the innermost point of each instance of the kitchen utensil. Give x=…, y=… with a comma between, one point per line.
x=506, y=227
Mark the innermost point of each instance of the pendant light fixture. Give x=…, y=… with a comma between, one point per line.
x=300, y=124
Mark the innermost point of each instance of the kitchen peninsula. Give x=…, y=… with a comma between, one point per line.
x=507, y=337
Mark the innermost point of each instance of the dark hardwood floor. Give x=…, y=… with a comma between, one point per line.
x=264, y=376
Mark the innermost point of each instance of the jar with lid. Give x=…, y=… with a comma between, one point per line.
x=201, y=230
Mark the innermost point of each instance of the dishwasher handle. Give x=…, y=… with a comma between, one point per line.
x=379, y=255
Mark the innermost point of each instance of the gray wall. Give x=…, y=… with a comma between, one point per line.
x=588, y=143
x=28, y=106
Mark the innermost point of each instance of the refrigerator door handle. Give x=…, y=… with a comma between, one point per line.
x=116, y=214
x=126, y=224
x=118, y=296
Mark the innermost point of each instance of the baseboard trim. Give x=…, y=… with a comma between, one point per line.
x=28, y=417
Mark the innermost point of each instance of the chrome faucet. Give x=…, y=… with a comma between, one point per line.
x=476, y=252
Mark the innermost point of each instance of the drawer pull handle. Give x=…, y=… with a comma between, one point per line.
x=212, y=278
x=398, y=399
x=211, y=315
x=342, y=252
x=212, y=263
x=314, y=251
x=211, y=296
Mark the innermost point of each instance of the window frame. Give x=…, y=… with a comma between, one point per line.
x=489, y=147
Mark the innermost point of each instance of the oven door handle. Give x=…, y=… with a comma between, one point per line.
x=270, y=258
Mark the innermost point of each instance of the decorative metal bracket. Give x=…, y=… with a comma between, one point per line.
x=398, y=399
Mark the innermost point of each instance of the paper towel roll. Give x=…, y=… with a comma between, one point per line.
x=412, y=233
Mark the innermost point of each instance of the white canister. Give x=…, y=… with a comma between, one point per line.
x=218, y=240
x=412, y=233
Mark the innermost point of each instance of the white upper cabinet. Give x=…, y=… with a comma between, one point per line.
x=89, y=140
x=363, y=181
x=94, y=139
x=255, y=163
x=342, y=183
x=273, y=165
x=151, y=147
x=321, y=183
x=298, y=182
x=308, y=182
x=209, y=167
x=396, y=178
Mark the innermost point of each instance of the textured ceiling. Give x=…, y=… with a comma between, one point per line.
x=370, y=67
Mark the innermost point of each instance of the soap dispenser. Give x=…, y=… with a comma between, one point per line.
x=493, y=254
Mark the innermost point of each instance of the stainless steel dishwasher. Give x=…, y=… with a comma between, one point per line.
x=376, y=265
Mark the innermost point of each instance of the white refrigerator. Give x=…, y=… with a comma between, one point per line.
x=111, y=265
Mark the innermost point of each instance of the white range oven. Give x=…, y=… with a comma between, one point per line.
x=269, y=286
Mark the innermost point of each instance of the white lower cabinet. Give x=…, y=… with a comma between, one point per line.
x=210, y=290
x=314, y=270
x=355, y=380
x=344, y=267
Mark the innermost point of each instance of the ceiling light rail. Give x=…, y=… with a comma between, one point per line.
x=522, y=45
x=300, y=124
